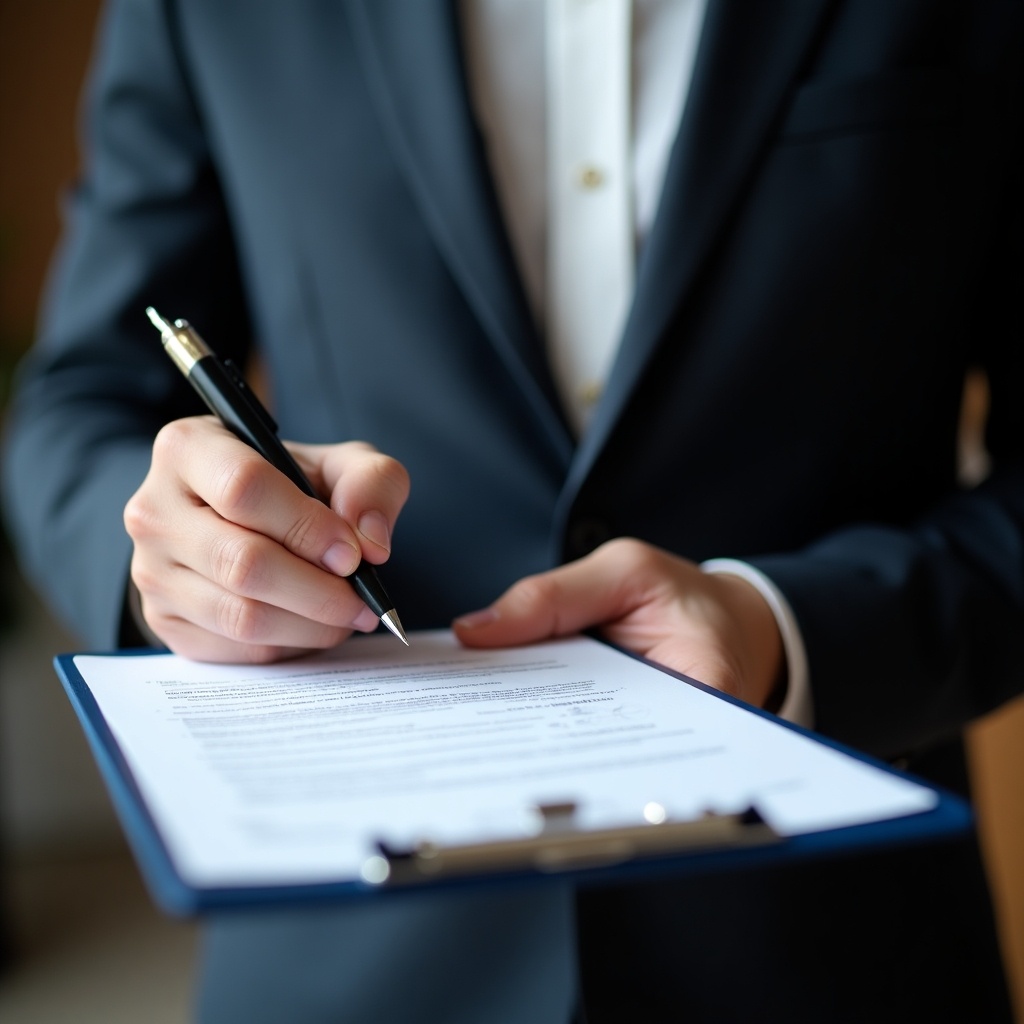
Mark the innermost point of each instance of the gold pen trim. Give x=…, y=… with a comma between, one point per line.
x=182, y=343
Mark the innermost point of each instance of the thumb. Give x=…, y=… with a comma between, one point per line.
x=563, y=601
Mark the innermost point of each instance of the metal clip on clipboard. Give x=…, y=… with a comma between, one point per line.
x=560, y=845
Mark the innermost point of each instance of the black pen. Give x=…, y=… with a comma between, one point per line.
x=222, y=387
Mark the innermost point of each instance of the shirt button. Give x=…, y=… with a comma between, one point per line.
x=590, y=393
x=590, y=177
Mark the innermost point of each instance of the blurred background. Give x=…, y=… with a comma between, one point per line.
x=79, y=938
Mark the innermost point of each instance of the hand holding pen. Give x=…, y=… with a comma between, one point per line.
x=235, y=559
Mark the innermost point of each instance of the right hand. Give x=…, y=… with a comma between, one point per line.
x=232, y=562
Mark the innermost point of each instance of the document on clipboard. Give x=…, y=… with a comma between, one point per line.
x=376, y=765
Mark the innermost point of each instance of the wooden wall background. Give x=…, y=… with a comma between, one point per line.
x=43, y=53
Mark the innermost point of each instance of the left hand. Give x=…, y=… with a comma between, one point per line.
x=713, y=627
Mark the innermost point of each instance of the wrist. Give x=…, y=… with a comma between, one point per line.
x=797, y=699
x=758, y=641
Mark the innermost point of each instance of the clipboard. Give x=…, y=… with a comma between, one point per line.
x=560, y=847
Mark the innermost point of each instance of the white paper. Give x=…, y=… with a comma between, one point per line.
x=286, y=774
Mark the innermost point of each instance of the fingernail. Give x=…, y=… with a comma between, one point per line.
x=374, y=527
x=365, y=621
x=341, y=558
x=473, y=620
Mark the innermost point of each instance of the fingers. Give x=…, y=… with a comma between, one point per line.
x=244, y=489
x=602, y=587
x=244, y=567
x=365, y=487
x=717, y=629
x=200, y=620
x=233, y=562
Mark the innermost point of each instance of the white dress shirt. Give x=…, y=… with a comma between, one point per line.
x=579, y=102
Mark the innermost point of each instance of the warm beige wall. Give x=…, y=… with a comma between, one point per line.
x=43, y=49
x=997, y=767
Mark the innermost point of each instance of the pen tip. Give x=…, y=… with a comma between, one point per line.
x=392, y=621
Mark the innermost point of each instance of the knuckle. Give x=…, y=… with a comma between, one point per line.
x=140, y=519
x=146, y=579
x=238, y=486
x=172, y=439
x=625, y=548
x=302, y=534
x=360, y=447
x=166, y=441
x=238, y=564
x=385, y=474
x=337, y=608
x=393, y=476
x=628, y=555
x=241, y=619
x=536, y=591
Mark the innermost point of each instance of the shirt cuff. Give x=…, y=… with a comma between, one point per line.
x=798, y=706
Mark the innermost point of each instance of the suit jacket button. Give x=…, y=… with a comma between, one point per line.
x=587, y=534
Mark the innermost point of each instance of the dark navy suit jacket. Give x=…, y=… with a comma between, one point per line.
x=838, y=243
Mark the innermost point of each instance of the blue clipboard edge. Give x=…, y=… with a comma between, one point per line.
x=950, y=818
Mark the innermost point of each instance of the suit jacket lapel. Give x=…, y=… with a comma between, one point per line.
x=413, y=59
x=748, y=60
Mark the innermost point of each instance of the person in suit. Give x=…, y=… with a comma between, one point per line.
x=824, y=238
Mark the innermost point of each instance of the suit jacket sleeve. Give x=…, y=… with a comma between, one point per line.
x=146, y=224
x=913, y=631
